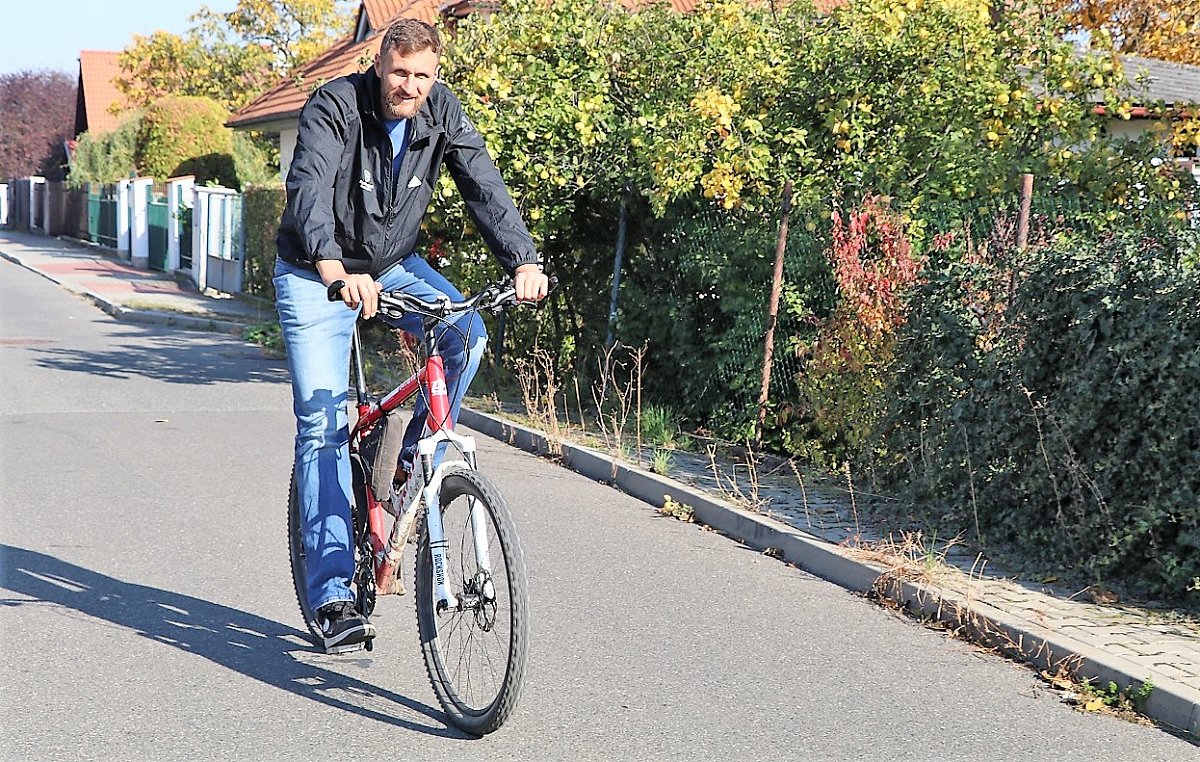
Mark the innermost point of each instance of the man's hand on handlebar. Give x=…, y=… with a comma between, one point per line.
x=530, y=283
x=358, y=289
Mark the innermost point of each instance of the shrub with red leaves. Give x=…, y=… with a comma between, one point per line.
x=37, y=109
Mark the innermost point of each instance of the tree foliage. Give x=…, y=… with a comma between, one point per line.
x=231, y=57
x=109, y=157
x=676, y=117
x=1165, y=29
x=37, y=111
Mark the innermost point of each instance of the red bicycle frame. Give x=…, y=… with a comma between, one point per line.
x=431, y=378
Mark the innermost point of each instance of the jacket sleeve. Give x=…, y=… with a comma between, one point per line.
x=311, y=176
x=484, y=192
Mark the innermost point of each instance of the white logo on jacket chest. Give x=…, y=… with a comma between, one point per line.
x=365, y=183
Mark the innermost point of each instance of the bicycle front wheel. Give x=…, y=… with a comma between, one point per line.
x=475, y=651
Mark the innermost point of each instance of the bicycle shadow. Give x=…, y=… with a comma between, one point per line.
x=256, y=647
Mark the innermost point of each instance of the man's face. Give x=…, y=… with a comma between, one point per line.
x=405, y=81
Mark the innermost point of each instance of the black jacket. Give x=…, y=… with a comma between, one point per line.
x=341, y=199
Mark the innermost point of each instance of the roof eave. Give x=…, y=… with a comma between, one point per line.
x=255, y=122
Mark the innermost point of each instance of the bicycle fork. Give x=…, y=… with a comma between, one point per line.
x=480, y=584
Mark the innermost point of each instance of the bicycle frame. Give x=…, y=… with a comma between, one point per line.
x=386, y=554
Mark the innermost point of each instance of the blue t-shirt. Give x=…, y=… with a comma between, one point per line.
x=398, y=132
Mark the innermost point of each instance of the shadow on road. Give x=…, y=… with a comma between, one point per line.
x=255, y=647
x=175, y=357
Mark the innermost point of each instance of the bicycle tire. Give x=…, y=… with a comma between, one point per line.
x=299, y=569
x=482, y=707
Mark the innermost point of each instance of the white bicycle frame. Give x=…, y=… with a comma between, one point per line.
x=426, y=447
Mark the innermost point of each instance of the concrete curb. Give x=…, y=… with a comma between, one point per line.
x=148, y=317
x=1170, y=703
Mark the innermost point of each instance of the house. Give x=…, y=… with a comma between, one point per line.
x=98, y=102
x=1161, y=91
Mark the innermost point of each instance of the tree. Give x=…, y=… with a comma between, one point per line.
x=1164, y=29
x=37, y=109
x=230, y=57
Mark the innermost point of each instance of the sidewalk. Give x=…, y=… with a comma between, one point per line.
x=125, y=292
x=817, y=528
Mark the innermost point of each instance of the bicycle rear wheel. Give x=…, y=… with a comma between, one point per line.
x=297, y=555
x=476, y=653
x=299, y=569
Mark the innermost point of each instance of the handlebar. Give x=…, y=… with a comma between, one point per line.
x=395, y=304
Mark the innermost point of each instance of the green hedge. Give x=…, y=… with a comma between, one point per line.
x=262, y=207
x=1063, y=424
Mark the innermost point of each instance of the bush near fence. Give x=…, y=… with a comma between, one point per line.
x=262, y=207
x=1043, y=400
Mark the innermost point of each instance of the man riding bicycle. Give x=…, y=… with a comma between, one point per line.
x=367, y=159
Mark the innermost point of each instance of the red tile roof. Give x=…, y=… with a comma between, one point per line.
x=97, y=93
x=381, y=13
x=346, y=57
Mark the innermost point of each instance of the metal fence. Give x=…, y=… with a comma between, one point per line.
x=171, y=228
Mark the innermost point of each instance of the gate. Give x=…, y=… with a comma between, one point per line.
x=158, y=218
x=218, y=243
x=102, y=214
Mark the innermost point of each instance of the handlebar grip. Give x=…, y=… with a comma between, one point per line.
x=333, y=292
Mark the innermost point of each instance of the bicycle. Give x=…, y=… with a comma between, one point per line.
x=464, y=601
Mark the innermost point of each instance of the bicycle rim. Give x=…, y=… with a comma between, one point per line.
x=475, y=656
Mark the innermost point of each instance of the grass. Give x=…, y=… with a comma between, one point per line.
x=267, y=335
x=661, y=464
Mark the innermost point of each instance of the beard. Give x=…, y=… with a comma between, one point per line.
x=395, y=106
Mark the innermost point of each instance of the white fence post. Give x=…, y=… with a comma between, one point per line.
x=200, y=239
x=139, y=222
x=122, y=233
x=180, y=194
x=3, y=204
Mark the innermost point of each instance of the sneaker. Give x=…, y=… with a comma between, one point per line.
x=342, y=628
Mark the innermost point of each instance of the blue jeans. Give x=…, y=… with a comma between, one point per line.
x=316, y=333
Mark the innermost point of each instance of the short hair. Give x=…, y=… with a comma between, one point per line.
x=411, y=35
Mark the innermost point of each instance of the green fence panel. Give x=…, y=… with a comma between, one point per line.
x=158, y=218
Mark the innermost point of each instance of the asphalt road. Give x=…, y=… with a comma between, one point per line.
x=146, y=609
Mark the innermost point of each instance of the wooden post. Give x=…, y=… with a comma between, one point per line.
x=773, y=313
x=622, y=223
x=1026, y=203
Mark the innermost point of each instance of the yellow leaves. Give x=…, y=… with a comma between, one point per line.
x=723, y=184
x=1162, y=29
x=715, y=106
